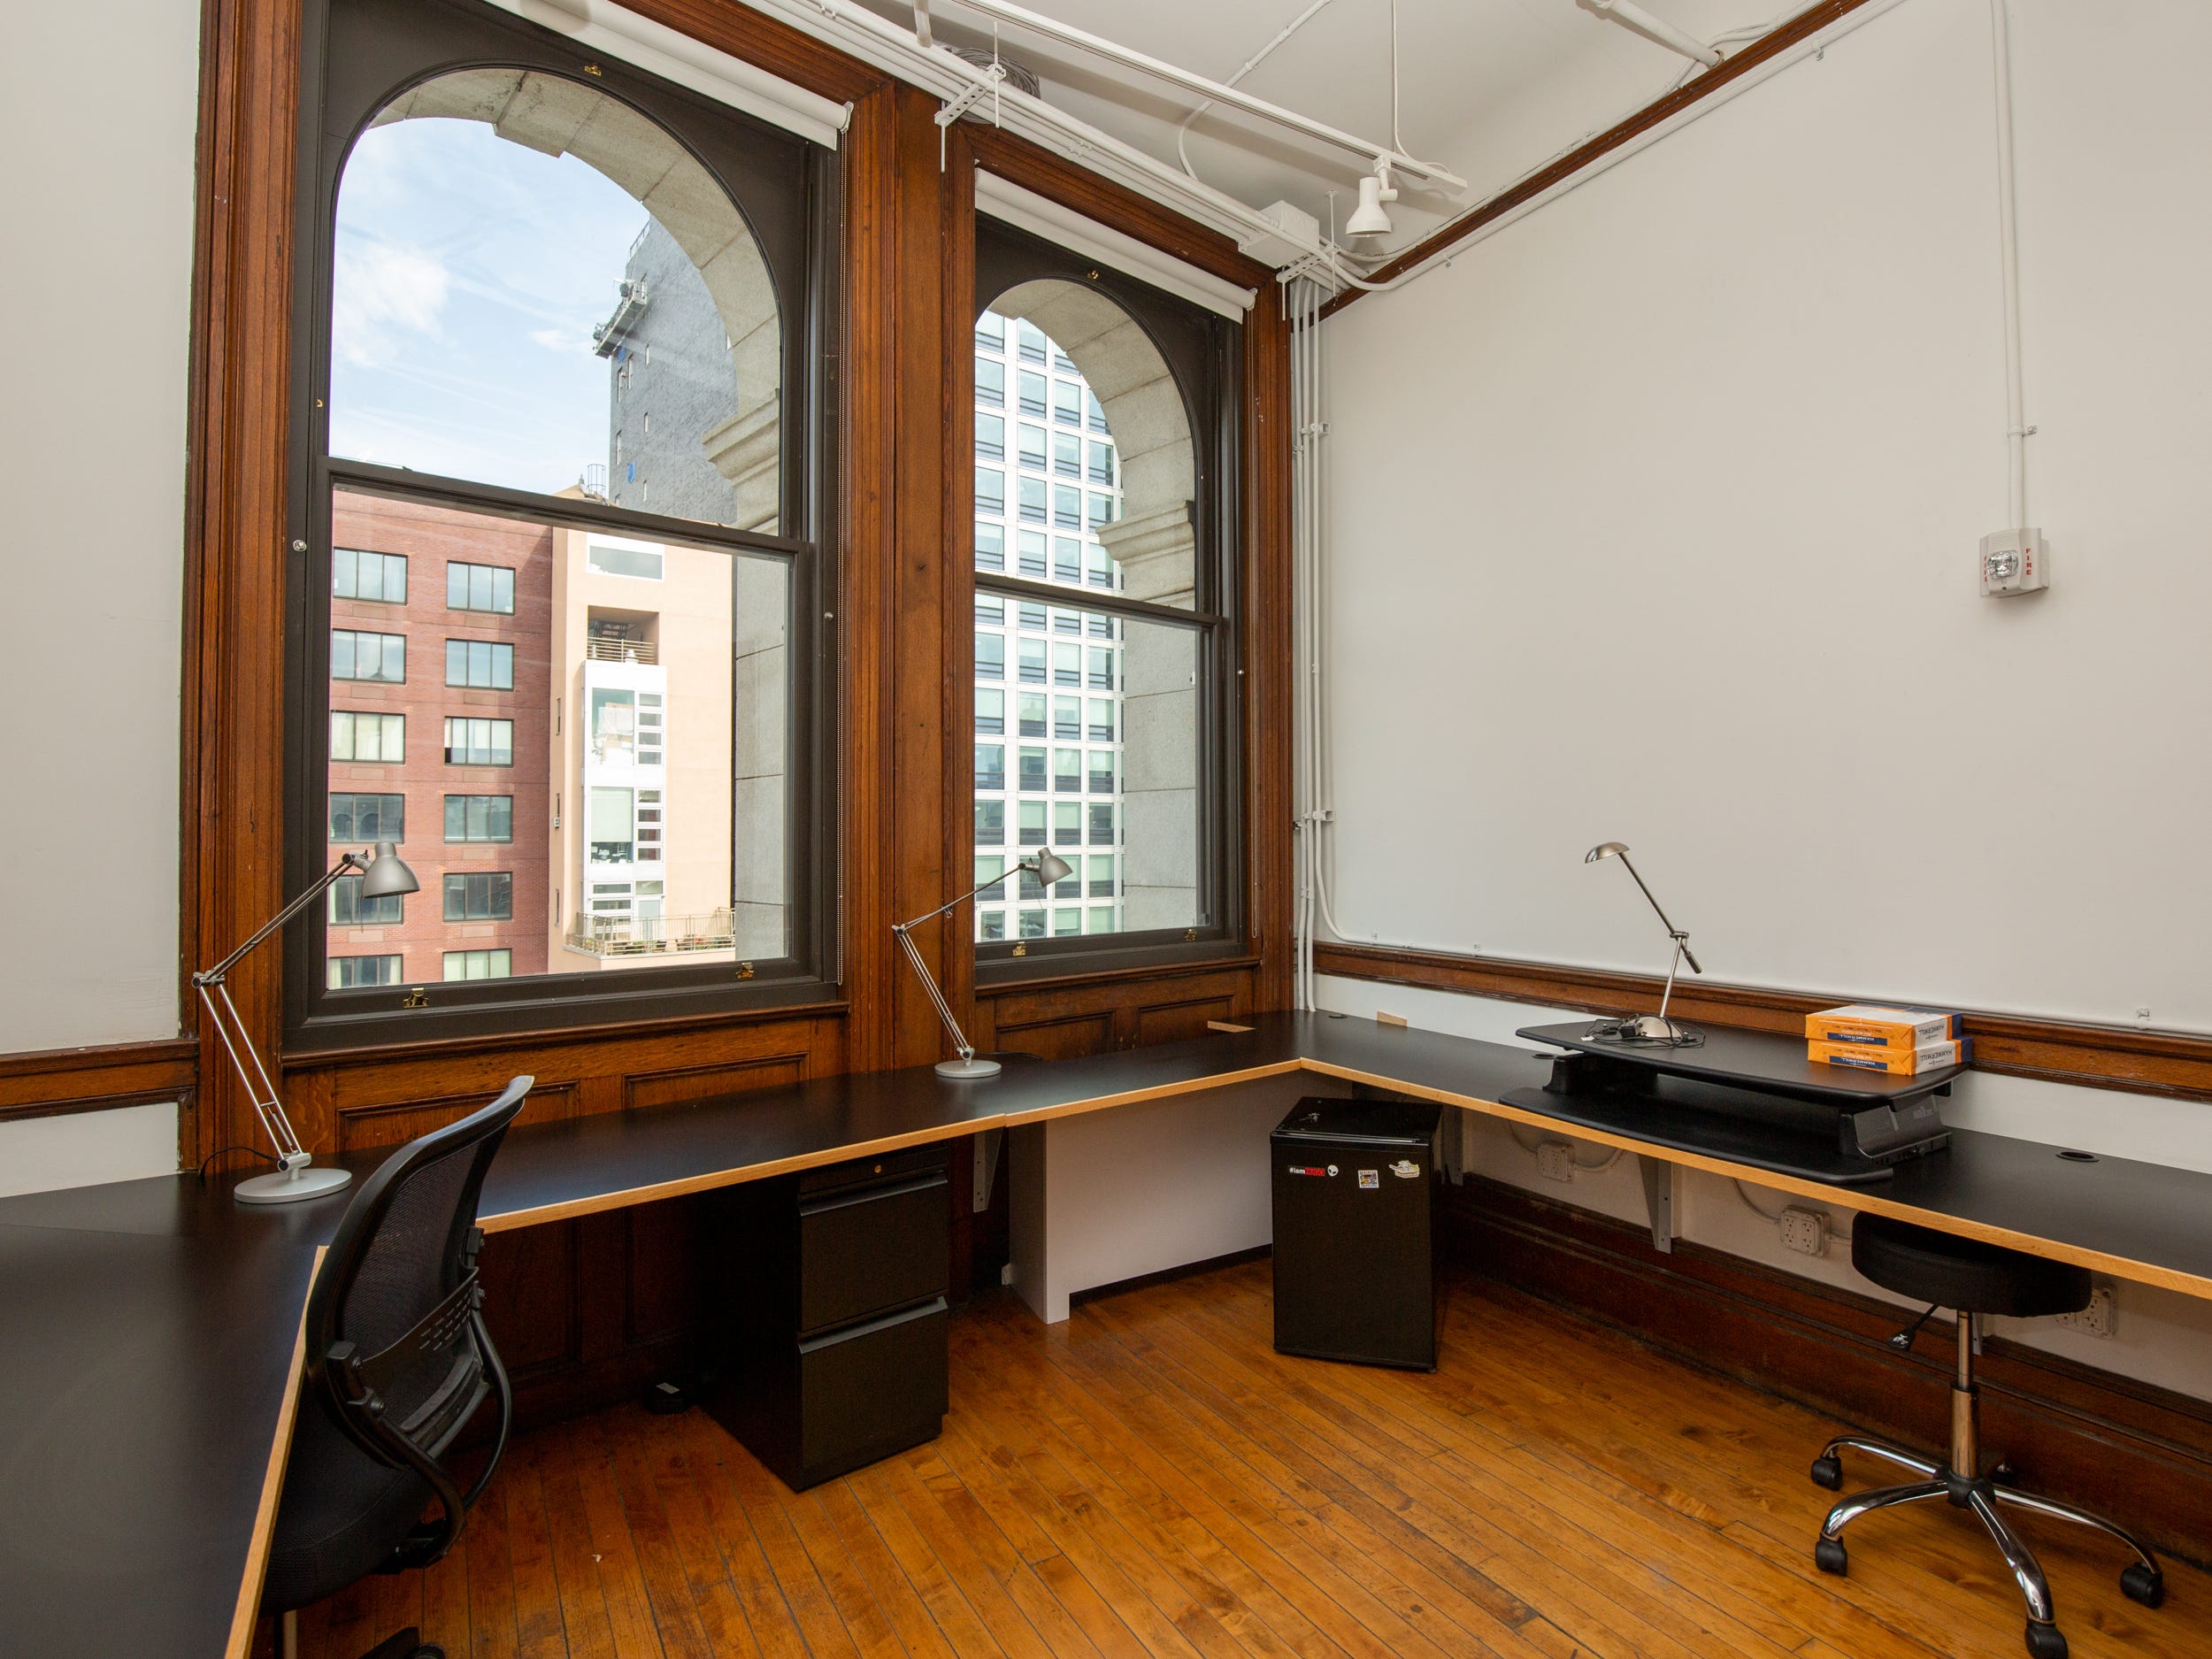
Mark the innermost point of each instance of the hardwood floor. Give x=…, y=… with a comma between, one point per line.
x=1152, y=1479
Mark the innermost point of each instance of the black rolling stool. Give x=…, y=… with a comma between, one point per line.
x=1974, y=1278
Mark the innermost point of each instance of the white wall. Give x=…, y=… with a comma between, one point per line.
x=1648, y=493
x=97, y=285
x=1643, y=500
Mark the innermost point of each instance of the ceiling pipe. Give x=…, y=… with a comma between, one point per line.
x=1665, y=34
x=1219, y=92
x=921, y=23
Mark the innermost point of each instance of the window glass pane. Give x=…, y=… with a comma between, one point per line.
x=367, y=818
x=990, y=708
x=506, y=313
x=990, y=823
x=347, y=973
x=990, y=656
x=1116, y=702
x=990, y=331
x=990, y=382
x=990, y=547
x=990, y=489
x=381, y=658
x=373, y=577
x=665, y=768
x=990, y=435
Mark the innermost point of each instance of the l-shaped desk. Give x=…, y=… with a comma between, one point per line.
x=151, y=1354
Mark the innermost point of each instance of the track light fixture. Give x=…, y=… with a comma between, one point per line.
x=1369, y=219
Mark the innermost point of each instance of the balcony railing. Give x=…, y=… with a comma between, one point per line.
x=651, y=936
x=605, y=649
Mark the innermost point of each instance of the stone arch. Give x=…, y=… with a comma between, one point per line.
x=555, y=117
x=1153, y=540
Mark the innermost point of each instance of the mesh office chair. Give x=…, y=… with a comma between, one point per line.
x=1975, y=1279
x=398, y=1361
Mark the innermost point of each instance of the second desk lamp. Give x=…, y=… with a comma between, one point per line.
x=1649, y=1027
x=1048, y=867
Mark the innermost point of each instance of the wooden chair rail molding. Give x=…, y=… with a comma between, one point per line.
x=2099, y=1057
x=1767, y=46
x=52, y=1081
x=2122, y=1446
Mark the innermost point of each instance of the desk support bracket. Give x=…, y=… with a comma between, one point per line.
x=1658, y=1175
x=987, y=1144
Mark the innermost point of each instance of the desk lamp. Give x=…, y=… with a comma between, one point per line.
x=1649, y=1027
x=297, y=1177
x=1048, y=868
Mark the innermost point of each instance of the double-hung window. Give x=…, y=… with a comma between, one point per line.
x=1127, y=687
x=565, y=438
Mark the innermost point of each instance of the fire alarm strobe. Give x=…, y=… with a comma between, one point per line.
x=2015, y=562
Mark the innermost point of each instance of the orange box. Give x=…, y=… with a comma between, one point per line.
x=1895, y=1062
x=1883, y=1027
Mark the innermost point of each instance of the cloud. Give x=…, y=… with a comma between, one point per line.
x=571, y=339
x=382, y=292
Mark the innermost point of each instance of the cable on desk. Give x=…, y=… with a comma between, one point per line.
x=223, y=1151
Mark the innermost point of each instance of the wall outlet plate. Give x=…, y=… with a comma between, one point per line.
x=1804, y=1231
x=2097, y=1320
x=1555, y=1160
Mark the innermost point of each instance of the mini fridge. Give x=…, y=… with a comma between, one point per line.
x=1354, y=1186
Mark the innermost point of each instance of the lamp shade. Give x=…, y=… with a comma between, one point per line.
x=387, y=874
x=1604, y=850
x=1369, y=219
x=1051, y=868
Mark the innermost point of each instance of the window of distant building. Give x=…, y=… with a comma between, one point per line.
x=1135, y=690
x=566, y=434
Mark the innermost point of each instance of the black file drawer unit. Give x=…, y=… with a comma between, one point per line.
x=833, y=1350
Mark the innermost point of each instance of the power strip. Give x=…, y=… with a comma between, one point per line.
x=1804, y=1231
x=1555, y=1160
x=2097, y=1320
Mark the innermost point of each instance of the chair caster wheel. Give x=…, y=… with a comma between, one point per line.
x=1828, y=1471
x=2045, y=1641
x=1829, y=1555
x=2143, y=1584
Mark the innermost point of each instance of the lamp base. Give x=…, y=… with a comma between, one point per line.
x=968, y=1069
x=312, y=1180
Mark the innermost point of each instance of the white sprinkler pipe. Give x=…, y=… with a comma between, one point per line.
x=1658, y=28
x=1219, y=92
x=2017, y=428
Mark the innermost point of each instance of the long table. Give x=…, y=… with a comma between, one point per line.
x=150, y=1330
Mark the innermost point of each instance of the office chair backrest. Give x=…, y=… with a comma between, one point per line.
x=397, y=1346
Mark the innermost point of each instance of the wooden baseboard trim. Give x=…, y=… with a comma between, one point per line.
x=2056, y=1051
x=1168, y=1275
x=2139, y=1454
x=49, y=1081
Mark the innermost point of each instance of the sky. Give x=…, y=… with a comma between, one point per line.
x=469, y=274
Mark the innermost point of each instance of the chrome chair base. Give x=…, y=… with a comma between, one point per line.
x=1986, y=1497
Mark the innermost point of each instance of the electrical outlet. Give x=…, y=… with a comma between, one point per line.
x=2097, y=1318
x=1804, y=1231
x=1006, y=1273
x=1555, y=1160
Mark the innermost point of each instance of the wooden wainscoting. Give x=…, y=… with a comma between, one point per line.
x=2142, y=1455
x=49, y=1080
x=1059, y=1018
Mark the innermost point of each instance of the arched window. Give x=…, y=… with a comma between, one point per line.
x=556, y=516
x=1105, y=680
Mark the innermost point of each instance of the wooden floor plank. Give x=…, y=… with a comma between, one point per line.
x=1152, y=1481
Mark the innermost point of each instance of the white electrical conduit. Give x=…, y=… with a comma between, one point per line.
x=2016, y=429
x=1182, y=130
x=1658, y=29
x=1811, y=46
x=1098, y=45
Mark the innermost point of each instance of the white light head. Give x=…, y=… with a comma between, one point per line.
x=1604, y=850
x=1376, y=188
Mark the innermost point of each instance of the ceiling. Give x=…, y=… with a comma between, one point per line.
x=1490, y=90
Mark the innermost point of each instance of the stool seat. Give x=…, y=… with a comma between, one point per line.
x=1948, y=1272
